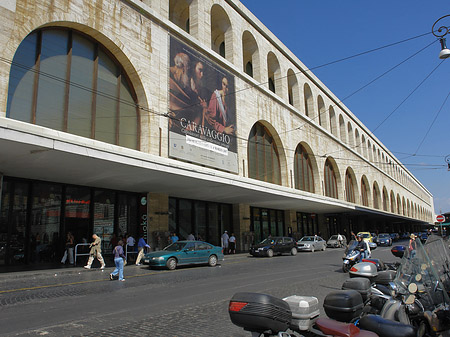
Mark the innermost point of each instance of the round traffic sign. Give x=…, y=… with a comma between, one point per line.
x=440, y=218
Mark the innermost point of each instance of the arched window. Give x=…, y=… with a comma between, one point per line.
x=179, y=13
x=399, y=205
x=304, y=179
x=263, y=158
x=63, y=80
x=322, y=112
x=250, y=54
x=333, y=127
x=385, y=200
x=293, y=90
x=349, y=187
x=364, y=192
x=330, y=181
x=392, y=202
x=221, y=33
x=309, y=102
x=273, y=73
x=376, y=196
x=343, y=133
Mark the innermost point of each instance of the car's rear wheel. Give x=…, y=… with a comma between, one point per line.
x=270, y=253
x=294, y=251
x=212, y=261
x=171, y=263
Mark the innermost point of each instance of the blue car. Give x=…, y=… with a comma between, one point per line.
x=183, y=253
x=384, y=239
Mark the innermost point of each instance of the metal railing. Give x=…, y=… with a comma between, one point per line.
x=80, y=254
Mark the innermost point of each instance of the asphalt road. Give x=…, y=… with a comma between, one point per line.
x=190, y=301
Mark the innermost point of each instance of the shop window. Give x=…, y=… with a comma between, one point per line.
x=63, y=80
x=45, y=222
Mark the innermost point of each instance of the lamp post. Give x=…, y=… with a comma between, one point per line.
x=440, y=33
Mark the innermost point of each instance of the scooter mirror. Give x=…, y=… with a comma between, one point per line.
x=412, y=288
x=410, y=299
x=418, y=277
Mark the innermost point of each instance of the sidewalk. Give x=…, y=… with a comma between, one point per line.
x=64, y=270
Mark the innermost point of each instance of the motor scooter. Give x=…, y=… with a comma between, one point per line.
x=351, y=257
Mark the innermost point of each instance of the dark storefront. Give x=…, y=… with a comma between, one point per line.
x=265, y=222
x=205, y=220
x=35, y=217
x=306, y=225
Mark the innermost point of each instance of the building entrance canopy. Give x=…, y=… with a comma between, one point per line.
x=34, y=152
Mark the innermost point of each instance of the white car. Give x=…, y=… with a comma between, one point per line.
x=311, y=243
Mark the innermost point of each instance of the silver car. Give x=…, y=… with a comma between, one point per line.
x=311, y=243
x=334, y=242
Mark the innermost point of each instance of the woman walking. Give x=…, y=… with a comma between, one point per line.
x=119, y=258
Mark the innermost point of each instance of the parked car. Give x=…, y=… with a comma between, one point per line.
x=185, y=253
x=423, y=237
x=311, y=243
x=398, y=251
x=334, y=242
x=366, y=236
x=395, y=236
x=276, y=245
x=384, y=239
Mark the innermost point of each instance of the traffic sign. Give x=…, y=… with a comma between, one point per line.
x=440, y=218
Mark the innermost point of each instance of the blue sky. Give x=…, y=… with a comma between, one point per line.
x=399, y=107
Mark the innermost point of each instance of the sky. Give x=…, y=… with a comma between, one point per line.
x=400, y=92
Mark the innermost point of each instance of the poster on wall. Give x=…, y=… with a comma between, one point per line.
x=202, y=110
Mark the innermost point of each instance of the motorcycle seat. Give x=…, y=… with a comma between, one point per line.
x=385, y=327
x=339, y=329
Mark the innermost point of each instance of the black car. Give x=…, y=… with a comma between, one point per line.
x=276, y=245
x=423, y=237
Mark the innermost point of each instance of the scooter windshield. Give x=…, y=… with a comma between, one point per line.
x=418, y=278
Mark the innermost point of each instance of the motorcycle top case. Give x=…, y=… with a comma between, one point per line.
x=385, y=277
x=343, y=305
x=360, y=284
x=380, y=264
x=364, y=269
x=305, y=310
x=259, y=312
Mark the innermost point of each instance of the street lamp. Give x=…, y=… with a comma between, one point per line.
x=441, y=32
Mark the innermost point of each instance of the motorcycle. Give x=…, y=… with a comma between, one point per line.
x=351, y=257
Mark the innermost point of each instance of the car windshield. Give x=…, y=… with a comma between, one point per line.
x=383, y=236
x=365, y=235
x=333, y=237
x=267, y=241
x=175, y=247
x=307, y=238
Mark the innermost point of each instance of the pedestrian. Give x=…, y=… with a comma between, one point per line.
x=340, y=240
x=70, y=244
x=232, y=242
x=412, y=245
x=175, y=237
x=141, y=249
x=95, y=252
x=191, y=237
x=225, y=241
x=119, y=258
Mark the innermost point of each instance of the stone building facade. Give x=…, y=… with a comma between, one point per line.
x=89, y=97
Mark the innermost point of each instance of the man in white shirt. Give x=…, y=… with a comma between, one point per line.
x=225, y=240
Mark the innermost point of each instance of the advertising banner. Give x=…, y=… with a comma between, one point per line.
x=202, y=110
